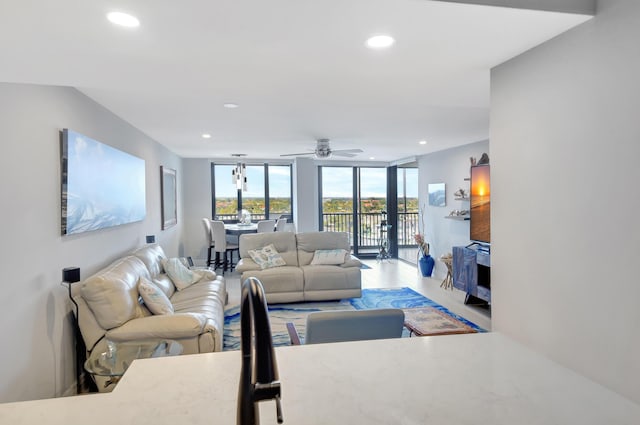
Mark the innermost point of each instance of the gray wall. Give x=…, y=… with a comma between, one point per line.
x=565, y=148
x=37, y=354
x=451, y=167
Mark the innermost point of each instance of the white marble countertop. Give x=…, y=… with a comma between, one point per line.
x=457, y=379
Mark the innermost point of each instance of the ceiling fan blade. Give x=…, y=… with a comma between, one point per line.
x=348, y=150
x=342, y=153
x=298, y=154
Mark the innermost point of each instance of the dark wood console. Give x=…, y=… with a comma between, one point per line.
x=472, y=272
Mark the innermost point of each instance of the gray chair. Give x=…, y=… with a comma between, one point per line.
x=350, y=325
x=221, y=246
x=209, y=237
x=265, y=226
x=280, y=224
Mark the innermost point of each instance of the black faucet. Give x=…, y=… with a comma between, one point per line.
x=259, y=373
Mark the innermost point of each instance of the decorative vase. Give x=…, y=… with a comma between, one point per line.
x=426, y=265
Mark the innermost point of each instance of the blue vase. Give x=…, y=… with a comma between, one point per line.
x=426, y=265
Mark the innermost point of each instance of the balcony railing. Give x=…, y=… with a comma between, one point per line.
x=370, y=232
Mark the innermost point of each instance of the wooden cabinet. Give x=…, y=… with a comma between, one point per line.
x=472, y=272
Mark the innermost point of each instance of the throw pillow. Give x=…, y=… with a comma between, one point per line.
x=329, y=256
x=267, y=257
x=180, y=275
x=153, y=297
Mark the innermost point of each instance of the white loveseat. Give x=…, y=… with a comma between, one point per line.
x=298, y=279
x=111, y=308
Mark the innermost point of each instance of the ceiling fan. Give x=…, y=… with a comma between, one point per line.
x=323, y=150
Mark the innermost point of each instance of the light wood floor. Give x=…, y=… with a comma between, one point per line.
x=395, y=273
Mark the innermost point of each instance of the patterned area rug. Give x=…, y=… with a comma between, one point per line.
x=280, y=314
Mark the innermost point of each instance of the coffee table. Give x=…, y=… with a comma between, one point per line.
x=114, y=362
x=424, y=321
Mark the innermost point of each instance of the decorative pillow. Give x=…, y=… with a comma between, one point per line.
x=329, y=256
x=180, y=275
x=153, y=297
x=267, y=257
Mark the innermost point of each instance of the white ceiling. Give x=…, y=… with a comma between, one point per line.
x=299, y=69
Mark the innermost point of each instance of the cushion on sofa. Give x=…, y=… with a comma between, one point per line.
x=153, y=297
x=329, y=256
x=284, y=243
x=164, y=282
x=309, y=242
x=112, y=293
x=151, y=255
x=180, y=275
x=267, y=257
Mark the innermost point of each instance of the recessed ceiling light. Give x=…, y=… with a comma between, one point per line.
x=206, y=136
x=380, y=42
x=372, y=157
x=123, y=19
x=423, y=142
x=231, y=105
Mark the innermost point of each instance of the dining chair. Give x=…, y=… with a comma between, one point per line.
x=209, y=237
x=222, y=246
x=350, y=325
x=265, y=226
x=280, y=224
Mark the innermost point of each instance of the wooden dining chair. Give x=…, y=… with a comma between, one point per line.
x=222, y=246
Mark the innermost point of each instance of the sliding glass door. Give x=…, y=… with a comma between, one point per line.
x=353, y=200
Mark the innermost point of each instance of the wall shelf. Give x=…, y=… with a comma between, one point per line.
x=466, y=198
x=458, y=217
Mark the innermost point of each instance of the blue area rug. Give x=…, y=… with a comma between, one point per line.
x=280, y=314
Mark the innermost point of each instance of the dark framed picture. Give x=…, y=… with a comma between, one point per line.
x=168, y=197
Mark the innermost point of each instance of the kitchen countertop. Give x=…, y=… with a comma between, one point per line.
x=456, y=379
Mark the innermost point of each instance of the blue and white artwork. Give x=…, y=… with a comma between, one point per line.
x=101, y=186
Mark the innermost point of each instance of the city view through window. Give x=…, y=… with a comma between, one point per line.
x=338, y=205
x=254, y=198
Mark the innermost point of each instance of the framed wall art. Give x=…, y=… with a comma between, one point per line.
x=168, y=200
x=437, y=195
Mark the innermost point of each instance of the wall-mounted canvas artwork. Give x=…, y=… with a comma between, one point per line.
x=437, y=195
x=101, y=186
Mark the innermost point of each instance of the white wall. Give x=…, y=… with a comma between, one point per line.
x=565, y=144
x=451, y=167
x=37, y=342
x=197, y=198
x=305, y=186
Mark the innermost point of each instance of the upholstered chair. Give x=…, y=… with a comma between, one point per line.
x=280, y=224
x=209, y=238
x=222, y=246
x=350, y=325
x=266, y=226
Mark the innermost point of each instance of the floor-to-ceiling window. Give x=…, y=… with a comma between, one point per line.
x=266, y=194
x=372, y=210
x=279, y=189
x=337, y=199
x=353, y=200
x=408, y=212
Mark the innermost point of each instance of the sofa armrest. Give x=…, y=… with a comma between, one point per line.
x=352, y=261
x=247, y=264
x=169, y=326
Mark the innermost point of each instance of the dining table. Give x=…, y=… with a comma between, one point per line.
x=240, y=228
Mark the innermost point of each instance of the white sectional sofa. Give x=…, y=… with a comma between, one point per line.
x=111, y=308
x=298, y=279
